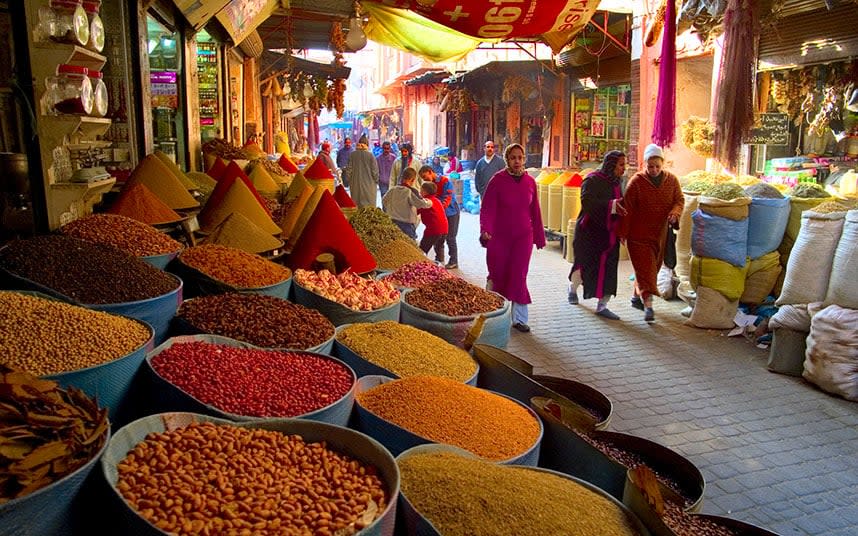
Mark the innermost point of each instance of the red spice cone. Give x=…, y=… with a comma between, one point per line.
x=287, y=164
x=342, y=197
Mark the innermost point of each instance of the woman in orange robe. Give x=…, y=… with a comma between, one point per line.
x=653, y=200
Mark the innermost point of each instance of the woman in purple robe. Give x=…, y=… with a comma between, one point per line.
x=596, y=243
x=510, y=225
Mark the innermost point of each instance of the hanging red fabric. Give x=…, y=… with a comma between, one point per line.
x=664, y=127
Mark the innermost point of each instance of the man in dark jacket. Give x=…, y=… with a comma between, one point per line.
x=486, y=167
x=343, y=159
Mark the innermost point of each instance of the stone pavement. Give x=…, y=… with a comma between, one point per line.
x=774, y=450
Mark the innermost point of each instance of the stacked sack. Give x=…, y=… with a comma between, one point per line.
x=692, y=185
x=826, y=249
x=768, y=215
x=719, y=246
x=803, y=197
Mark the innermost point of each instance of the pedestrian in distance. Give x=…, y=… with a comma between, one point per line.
x=362, y=171
x=435, y=222
x=596, y=243
x=486, y=167
x=447, y=197
x=385, y=167
x=654, y=201
x=343, y=159
x=407, y=160
x=510, y=225
x=325, y=156
x=402, y=201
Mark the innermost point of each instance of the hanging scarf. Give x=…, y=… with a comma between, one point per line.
x=664, y=128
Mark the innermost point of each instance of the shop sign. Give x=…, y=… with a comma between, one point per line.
x=240, y=17
x=502, y=19
x=773, y=129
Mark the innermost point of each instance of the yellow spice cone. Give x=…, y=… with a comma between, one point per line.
x=304, y=217
x=153, y=174
x=238, y=198
x=237, y=231
x=293, y=212
x=176, y=171
x=262, y=180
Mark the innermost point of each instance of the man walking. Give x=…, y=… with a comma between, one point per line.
x=363, y=173
x=487, y=166
x=385, y=166
x=343, y=159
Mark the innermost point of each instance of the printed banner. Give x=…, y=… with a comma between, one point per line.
x=241, y=17
x=502, y=19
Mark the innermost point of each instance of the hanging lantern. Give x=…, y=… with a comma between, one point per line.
x=308, y=90
x=355, y=38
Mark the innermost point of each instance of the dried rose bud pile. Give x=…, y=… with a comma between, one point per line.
x=348, y=289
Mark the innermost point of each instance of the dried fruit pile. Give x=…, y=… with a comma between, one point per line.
x=46, y=432
x=263, y=321
x=454, y=297
x=220, y=479
x=234, y=266
x=348, y=289
x=129, y=235
x=416, y=274
x=252, y=382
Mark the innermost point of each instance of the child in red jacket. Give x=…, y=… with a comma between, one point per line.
x=435, y=221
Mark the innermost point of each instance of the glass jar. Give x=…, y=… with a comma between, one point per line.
x=99, y=94
x=96, y=25
x=51, y=94
x=71, y=24
x=46, y=28
x=74, y=90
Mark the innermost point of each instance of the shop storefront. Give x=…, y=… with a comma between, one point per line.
x=165, y=46
x=602, y=122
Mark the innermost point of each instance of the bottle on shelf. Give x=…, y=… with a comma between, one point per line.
x=99, y=92
x=96, y=25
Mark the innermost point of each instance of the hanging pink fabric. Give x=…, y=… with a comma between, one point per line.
x=664, y=127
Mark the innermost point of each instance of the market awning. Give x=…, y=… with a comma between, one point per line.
x=273, y=63
x=306, y=24
x=498, y=69
x=431, y=77
x=241, y=17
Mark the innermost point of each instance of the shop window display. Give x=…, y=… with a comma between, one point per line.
x=165, y=76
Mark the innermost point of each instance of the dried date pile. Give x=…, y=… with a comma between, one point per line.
x=86, y=272
x=260, y=320
x=454, y=297
x=46, y=432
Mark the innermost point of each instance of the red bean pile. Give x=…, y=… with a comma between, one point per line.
x=86, y=272
x=261, y=320
x=251, y=382
x=454, y=297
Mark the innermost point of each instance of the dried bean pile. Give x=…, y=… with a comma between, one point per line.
x=348, y=289
x=220, y=479
x=809, y=190
x=46, y=337
x=46, y=433
x=829, y=207
x=251, y=382
x=417, y=274
x=263, y=321
x=684, y=524
x=498, y=500
x=454, y=297
x=234, y=266
x=446, y=411
x=631, y=460
x=392, y=255
x=407, y=351
x=726, y=191
x=763, y=190
x=129, y=235
x=224, y=149
x=86, y=272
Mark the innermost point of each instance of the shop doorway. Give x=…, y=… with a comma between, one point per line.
x=165, y=48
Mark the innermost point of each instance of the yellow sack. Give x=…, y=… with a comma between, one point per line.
x=735, y=209
x=762, y=276
x=718, y=275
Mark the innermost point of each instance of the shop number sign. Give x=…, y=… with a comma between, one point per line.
x=772, y=130
x=500, y=19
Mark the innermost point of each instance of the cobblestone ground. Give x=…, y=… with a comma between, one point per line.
x=774, y=450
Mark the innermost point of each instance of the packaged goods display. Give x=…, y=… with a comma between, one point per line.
x=127, y=234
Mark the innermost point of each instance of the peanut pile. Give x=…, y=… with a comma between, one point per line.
x=263, y=321
x=129, y=235
x=219, y=479
x=45, y=337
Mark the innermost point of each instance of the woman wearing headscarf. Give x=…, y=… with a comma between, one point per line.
x=407, y=160
x=510, y=225
x=653, y=200
x=596, y=243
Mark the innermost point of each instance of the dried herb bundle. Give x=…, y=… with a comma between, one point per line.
x=46, y=432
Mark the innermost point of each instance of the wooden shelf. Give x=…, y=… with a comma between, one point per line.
x=70, y=200
x=52, y=54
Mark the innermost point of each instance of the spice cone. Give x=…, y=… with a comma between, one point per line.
x=139, y=203
x=296, y=189
x=154, y=175
x=303, y=218
x=232, y=174
x=262, y=180
x=236, y=231
x=287, y=164
x=328, y=231
x=176, y=171
x=202, y=181
x=294, y=210
x=217, y=169
x=342, y=197
x=238, y=198
x=318, y=170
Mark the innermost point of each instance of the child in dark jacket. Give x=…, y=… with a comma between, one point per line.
x=435, y=221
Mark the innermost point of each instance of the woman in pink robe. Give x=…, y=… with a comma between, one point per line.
x=510, y=225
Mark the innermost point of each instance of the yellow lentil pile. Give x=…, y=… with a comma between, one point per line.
x=45, y=337
x=220, y=479
x=394, y=254
x=407, y=351
x=446, y=411
x=234, y=267
x=462, y=495
x=129, y=235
